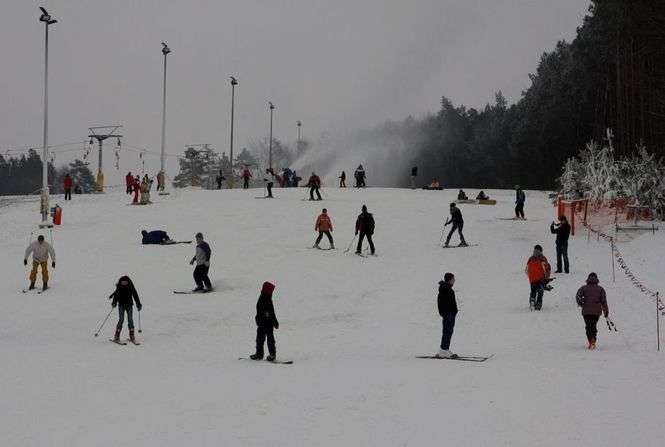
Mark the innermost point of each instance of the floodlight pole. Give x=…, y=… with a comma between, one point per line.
x=234, y=82
x=271, y=106
x=165, y=50
x=48, y=20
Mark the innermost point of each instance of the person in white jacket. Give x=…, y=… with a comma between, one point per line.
x=41, y=250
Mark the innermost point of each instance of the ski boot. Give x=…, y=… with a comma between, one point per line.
x=45, y=286
x=592, y=343
x=332, y=246
x=198, y=289
x=316, y=246
x=131, y=336
x=463, y=244
x=32, y=285
x=256, y=356
x=116, y=337
x=271, y=357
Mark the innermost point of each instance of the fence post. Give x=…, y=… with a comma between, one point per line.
x=612, y=259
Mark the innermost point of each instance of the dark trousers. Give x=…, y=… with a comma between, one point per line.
x=536, y=296
x=342, y=183
x=519, y=210
x=129, y=189
x=269, y=187
x=362, y=236
x=312, y=190
x=590, y=322
x=245, y=184
x=456, y=227
x=68, y=194
x=562, y=252
x=219, y=184
x=264, y=332
x=327, y=233
x=121, y=317
x=201, y=276
x=448, y=326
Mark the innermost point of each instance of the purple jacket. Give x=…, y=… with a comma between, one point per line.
x=591, y=298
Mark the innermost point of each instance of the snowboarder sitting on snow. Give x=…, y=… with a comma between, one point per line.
x=365, y=226
x=124, y=296
x=562, y=231
x=324, y=226
x=266, y=321
x=314, y=184
x=538, y=271
x=156, y=237
x=461, y=195
x=458, y=224
x=448, y=311
x=40, y=250
x=593, y=301
x=202, y=259
x=482, y=196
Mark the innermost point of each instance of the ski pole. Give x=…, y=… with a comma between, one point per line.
x=350, y=244
x=140, y=331
x=103, y=322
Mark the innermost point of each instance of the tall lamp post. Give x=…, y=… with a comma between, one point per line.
x=48, y=20
x=165, y=50
x=299, y=124
x=271, y=106
x=234, y=82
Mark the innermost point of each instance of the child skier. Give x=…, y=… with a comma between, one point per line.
x=593, y=301
x=124, y=296
x=458, y=224
x=40, y=250
x=448, y=311
x=324, y=226
x=538, y=270
x=266, y=321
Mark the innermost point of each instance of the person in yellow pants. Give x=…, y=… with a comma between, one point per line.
x=40, y=250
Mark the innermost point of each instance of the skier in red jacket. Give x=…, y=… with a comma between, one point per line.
x=246, y=175
x=68, y=183
x=129, y=182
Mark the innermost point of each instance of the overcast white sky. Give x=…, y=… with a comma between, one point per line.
x=335, y=64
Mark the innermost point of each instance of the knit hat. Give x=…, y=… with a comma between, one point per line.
x=364, y=208
x=538, y=247
x=267, y=288
x=592, y=278
x=199, y=235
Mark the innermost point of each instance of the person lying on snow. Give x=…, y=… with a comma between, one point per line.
x=156, y=237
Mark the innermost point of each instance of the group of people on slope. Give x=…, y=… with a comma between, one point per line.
x=364, y=229
x=359, y=175
x=141, y=187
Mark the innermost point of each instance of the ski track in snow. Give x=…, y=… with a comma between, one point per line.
x=353, y=326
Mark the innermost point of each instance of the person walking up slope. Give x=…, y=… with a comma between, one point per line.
x=448, y=312
x=324, y=226
x=40, y=250
x=266, y=321
x=538, y=271
x=124, y=296
x=365, y=226
x=593, y=301
x=562, y=231
x=202, y=260
x=458, y=224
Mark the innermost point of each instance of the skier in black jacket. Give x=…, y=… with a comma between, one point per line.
x=458, y=224
x=562, y=231
x=122, y=297
x=448, y=311
x=266, y=321
x=365, y=226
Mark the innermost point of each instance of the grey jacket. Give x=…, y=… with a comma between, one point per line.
x=202, y=256
x=40, y=252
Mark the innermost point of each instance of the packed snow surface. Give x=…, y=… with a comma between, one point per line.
x=352, y=325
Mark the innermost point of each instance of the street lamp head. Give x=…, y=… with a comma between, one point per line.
x=46, y=17
x=271, y=105
x=234, y=81
x=299, y=123
x=165, y=49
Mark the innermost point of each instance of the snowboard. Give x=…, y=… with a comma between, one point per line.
x=122, y=343
x=192, y=292
x=459, y=246
x=463, y=358
x=278, y=362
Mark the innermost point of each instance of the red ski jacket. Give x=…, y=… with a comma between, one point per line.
x=68, y=182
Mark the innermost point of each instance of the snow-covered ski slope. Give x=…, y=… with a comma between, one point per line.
x=353, y=326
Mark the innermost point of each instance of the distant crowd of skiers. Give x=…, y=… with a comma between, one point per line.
x=141, y=187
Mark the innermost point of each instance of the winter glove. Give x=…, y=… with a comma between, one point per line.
x=113, y=304
x=356, y=233
x=192, y=261
x=53, y=264
x=139, y=307
x=276, y=325
x=25, y=262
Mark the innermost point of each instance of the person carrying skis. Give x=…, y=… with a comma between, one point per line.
x=458, y=224
x=155, y=237
x=324, y=226
x=538, y=271
x=593, y=301
x=520, y=198
x=40, y=250
x=365, y=226
x=129, y=182
x=123, y=297
x=314, y=184
x=67, y=183
x=202, y=260
x=266, y=321
x=414, y=174
x=246, y=175
x=562, y=231
x=360, y=177
x=448, y=311
x=342, y=180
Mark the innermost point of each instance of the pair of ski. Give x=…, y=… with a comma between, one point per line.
x=124, y=343
x=463, y=358
x=459, y=246
x=191, y=292
x=277, y=362
x=39, y=291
